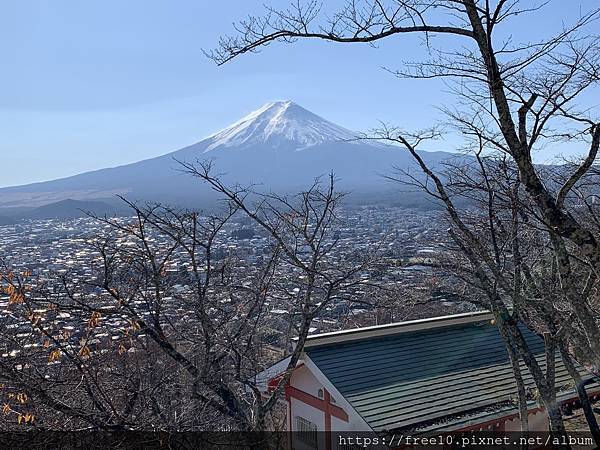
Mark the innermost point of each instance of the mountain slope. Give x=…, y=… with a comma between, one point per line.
x=281, y=146
x=70, y=209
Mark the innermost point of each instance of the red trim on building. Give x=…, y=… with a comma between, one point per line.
x=317, y=403
x=328, y=412
x=329, y=409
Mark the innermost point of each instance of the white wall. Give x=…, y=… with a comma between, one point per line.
x=303, y=379
x=309, y=413
x=307, y=381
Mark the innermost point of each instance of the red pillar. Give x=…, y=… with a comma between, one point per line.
x=327, y=412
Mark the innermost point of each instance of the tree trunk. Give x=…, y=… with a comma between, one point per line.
x=544, y=382
x=586, y=405
x=521, y=392
x=557, y=426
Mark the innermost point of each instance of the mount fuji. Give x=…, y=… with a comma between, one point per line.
x=281, y=147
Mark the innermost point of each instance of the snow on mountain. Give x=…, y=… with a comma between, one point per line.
x=280, y=147
x=280, y=124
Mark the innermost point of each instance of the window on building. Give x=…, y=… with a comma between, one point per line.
x=306, y=431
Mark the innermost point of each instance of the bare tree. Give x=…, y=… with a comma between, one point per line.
x=172, y=324
x=303, y=230
x=503, y=230
x=514, y=99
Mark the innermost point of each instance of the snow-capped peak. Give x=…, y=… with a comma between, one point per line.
x=280, y=123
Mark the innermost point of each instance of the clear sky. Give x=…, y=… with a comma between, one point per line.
x=92, y=84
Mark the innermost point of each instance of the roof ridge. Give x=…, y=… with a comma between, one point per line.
x=360, y=333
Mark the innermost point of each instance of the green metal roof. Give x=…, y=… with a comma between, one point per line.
x=411, y=380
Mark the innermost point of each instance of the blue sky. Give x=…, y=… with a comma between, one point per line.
x=89, y=84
